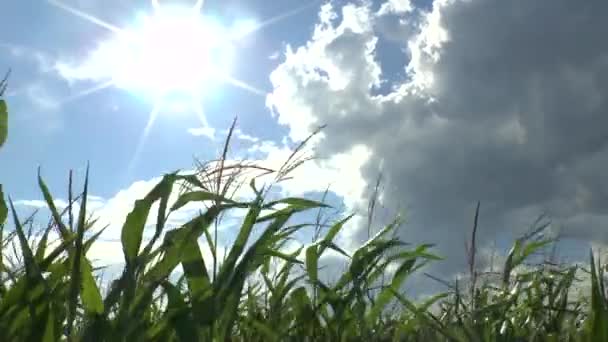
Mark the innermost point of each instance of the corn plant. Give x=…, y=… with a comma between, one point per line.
x=259, y=290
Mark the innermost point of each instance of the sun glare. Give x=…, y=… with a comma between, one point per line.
x=173, y=50
x=172, y=53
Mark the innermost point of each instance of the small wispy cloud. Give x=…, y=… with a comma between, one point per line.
x=44, y=61
x=237, y=133
x=208, y=132
x=97, y=66
x=39, y=204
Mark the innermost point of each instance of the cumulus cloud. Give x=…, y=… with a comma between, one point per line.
x=504, y=103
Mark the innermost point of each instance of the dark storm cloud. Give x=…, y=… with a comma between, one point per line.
x=515, y=117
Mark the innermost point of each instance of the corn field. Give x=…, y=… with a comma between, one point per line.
x=257, y=291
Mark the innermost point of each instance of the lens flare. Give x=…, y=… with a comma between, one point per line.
x=174, y=50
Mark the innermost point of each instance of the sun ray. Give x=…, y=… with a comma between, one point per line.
x=277, y=18
x=85, y=16
x=155, y=5
x=206, y=129
x=243, y=85
x=144, y=136
x=198, y=6
x=87, y=92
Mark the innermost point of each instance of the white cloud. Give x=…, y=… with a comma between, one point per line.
x=496, y=107
x=99, y=65
x=208, y=132
x=38, y=204
x=43, y=61
x=395, y=7
x=243, y=136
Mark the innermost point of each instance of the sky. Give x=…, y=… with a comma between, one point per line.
x=452, y=101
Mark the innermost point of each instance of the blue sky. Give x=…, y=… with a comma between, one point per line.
x=453, y=101
x=103, y=128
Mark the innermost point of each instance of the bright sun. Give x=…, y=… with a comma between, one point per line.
x=174, y=50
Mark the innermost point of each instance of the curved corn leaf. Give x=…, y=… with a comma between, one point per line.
x=132, y=230
x=312, y=267
x=177, y=312
x=3, y=122
x=3, y=208
x=51, y=205
x=90, y=295
x=296, y=202
x=200, y=196
x=76, y=272
x=597, y=321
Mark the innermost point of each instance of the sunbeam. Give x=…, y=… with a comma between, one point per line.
x=277, y=18
x=86, y=16
x=144, y=136
x=198, y=6
x=243, y=85
x=172, y=51
x=205, y=129
x=87, y=92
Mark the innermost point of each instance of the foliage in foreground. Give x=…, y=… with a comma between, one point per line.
x=259, y=292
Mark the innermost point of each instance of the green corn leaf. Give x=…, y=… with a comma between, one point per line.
x=40, y=252
x=597, y=322
x=3, y=208
x=425, y=318
x=132, y=230
x=331, y=234
x=53, y=255
x=3, y=122
x=12, y=297
x=390, y=227
x=336, y=248
x=76, y=274
x=196, y=274
x=529, y=249
x=300, y=203
x=509, y=262
x=200, y=196
x=279, y=213
x=51, y=204
x=91, y=297
x=312, y=267
x=177, y=311
x=266, y=330
x=175, y=241
x=31, y=267
x=231, y=280
x=3, y=216
x=50, y=335
x=385, y=296
x=209, y=240
x=88, y=243
x=286, y=257
x=241, y=239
